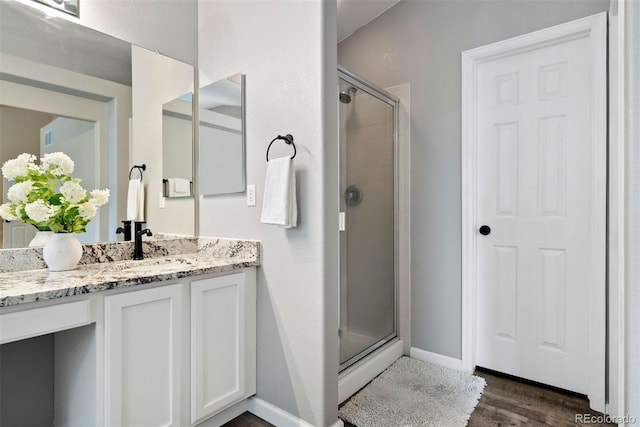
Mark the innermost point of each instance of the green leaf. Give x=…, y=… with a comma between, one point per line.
x=56, y=228
x=55, y=199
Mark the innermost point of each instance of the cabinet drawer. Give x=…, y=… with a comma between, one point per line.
x=40, y=321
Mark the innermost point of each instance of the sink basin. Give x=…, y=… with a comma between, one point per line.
x=151, y=266
x=156, y=267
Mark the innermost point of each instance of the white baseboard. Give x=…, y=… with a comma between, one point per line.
x=357, y=377
x=263, y=409
x=279, y=417
x=438, y=359
x=273, y=414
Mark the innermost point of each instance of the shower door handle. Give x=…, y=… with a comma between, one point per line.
x=342, y=221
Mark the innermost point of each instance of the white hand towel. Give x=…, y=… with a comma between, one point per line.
x=179, y=187
x=135, y=200
x=182, y=186
x=279, y=206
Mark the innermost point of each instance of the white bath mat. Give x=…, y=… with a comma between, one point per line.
x=412, y=393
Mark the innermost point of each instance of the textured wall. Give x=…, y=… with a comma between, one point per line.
x=287, y=49
x=420, y=42
x=168, y=26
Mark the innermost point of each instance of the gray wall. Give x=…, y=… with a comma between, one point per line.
x=420, y=42
x=26, y=382
x=287, y=49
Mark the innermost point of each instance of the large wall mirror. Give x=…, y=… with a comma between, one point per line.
x=65, y=87
x=222, y=136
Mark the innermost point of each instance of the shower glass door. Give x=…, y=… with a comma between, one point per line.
x=368, y=118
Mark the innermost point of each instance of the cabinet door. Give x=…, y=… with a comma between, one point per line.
x=143, y=335
x=222, y=342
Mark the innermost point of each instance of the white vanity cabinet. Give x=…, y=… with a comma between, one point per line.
x=143, y=335
x=223, y=342
x=169, y=353
x=185, y=345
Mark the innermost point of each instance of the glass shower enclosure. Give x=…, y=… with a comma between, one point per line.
x=368, y=119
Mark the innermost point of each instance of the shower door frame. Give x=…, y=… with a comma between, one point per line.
x=362, y=84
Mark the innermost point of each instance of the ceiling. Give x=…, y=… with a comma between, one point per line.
x=353, y=14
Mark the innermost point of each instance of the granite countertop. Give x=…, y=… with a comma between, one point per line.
x=19, y=287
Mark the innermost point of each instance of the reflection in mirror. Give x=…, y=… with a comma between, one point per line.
x=19, y=132
x=177, y=147
x=57, y=73
x=61, y=69
x=68, y=6
x=221, y=136
x=37, y=133
x=158, y=80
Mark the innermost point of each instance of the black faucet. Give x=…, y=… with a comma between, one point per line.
x=137, y=244
x=126, y=230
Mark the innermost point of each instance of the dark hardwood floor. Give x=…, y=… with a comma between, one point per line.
x=505, y=401
x=247, y=420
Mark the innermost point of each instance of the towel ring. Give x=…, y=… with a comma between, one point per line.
x=140, y=168
x=288, y=139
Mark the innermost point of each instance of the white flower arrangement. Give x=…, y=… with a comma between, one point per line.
x=47, y=196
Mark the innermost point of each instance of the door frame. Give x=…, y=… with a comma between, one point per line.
x=616, y=212
x=592, y=27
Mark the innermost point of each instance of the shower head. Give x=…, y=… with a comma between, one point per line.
x=345, y=97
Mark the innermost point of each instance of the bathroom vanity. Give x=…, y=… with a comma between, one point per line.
x=170, y=340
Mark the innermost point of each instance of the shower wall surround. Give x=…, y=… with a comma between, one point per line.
x=370, y=148
x=367, y=185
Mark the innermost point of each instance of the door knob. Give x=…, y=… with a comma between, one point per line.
x=485, y=230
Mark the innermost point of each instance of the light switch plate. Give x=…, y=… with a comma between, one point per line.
x=251, y=195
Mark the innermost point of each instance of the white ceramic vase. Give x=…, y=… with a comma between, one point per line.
x=40, y=239
x=62, y=252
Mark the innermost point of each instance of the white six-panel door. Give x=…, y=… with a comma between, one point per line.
x=540, y=156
